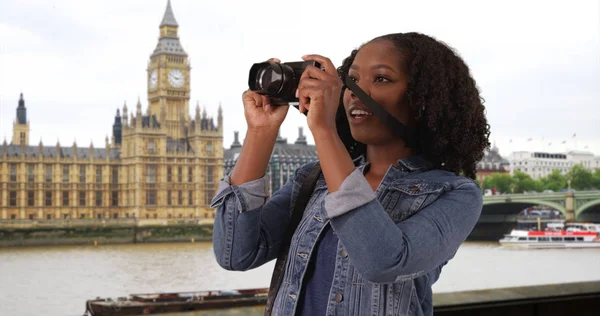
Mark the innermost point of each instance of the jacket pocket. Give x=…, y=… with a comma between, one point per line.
x=405, y=197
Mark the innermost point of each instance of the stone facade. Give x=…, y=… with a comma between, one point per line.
x=158, y=164
x=285, y=158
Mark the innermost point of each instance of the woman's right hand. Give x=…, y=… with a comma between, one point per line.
x=259, y=112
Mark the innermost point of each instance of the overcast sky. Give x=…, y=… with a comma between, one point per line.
x=537, y=63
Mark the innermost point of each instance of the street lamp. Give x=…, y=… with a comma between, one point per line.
x=569, y=185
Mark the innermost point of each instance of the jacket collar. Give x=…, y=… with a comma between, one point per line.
x=412, y=163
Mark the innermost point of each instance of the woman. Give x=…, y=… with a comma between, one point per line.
x=386, y=214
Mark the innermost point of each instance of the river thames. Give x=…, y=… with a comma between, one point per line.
x=56, y=281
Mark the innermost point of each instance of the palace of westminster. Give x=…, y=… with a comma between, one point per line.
x=158, y=164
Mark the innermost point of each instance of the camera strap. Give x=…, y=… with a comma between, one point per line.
x=397, y=128
x=304, y=196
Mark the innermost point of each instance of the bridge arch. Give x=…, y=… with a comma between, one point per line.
x=526, y=203
x=586, y=207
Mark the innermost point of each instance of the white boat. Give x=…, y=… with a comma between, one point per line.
x=570, y=235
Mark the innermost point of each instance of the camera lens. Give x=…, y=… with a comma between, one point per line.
x=270, y=79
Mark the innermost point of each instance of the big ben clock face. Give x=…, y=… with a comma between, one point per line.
x=176, y=78
x=153, y=79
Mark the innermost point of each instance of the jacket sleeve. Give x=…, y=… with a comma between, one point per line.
x=386, y=252
x=249, y=226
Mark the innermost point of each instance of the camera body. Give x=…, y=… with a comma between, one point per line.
x=278, y=81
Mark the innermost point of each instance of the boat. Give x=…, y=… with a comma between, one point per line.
x=556, y=235
x=162, y=303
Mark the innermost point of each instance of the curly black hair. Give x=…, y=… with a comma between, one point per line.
x=452, y=129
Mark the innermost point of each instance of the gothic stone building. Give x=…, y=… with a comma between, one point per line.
x=285, y=158
x=161, y=164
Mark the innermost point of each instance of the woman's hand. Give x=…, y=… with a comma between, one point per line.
x=259, y=113
x=319, y=92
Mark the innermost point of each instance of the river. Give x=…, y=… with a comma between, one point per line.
x=56, y=281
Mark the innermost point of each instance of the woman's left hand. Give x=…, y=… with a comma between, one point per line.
x=319, y=93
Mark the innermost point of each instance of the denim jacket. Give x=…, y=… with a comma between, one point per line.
x=393, y=242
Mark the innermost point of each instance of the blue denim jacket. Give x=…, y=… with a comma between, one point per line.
x=392, y=244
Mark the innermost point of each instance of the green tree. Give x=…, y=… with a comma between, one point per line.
x=523, y=182
x=500, y=181
x=555, y=181
x=597, y=179
x=581, y=178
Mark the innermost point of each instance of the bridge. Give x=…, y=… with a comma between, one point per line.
x=499, y=214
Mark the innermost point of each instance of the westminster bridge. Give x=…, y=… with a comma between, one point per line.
x=500, y=212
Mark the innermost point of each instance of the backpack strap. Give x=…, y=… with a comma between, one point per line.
x=303, y=196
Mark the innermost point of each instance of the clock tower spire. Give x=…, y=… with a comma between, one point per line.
x=169, y=76
x=21, y=125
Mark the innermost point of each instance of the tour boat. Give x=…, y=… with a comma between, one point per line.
x=570, y=235
x=161, y=303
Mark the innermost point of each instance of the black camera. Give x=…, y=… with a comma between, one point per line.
x=278, y=81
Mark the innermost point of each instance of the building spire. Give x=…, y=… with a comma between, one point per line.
x=169, y=17
x=21, y=111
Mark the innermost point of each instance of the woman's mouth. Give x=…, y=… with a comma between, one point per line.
x=357, y=116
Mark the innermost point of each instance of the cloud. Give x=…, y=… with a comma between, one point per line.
x=537, y=63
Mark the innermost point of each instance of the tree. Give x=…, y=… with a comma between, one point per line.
x=581, y=178
x=597, y=179
x=555, y=181
x=523, y=182
x=500, y=181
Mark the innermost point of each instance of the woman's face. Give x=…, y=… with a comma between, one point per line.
x=378, y=70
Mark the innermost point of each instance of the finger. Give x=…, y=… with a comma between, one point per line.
x=307, y=95
x=266, y=101
x=275, y=60
x=313, y=72
x=324, y=61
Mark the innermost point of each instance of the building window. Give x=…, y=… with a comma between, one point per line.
x=81, y=198
x=13, y=198
x=151, y=146
x=209, y=147
x=98, y=174
x=208, y=195
x=179, y=174
x=151, y=197
x=13, y=173
x=48, y=201
x=82, y=174
x=150, y=185
x=190, y=174
x=209, y=174
x=65, y=198
x=65, y=174
x=115, y=175
x=179, y=198
x=169, y=174
x=31, y=173
x=169, y=198
x=115, y=198
x=151, y=174
x=191, y=197
x=48, y=173
x=30, y=198
x=98, y=198
x=22, y=137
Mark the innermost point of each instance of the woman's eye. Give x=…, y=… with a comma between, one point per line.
x=353, y=78
x=381, y=79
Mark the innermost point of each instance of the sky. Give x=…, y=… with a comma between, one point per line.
x=537, y=63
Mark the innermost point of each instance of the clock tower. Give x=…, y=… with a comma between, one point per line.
x=169, y=78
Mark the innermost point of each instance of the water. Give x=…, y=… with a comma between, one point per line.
x=56, y=281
